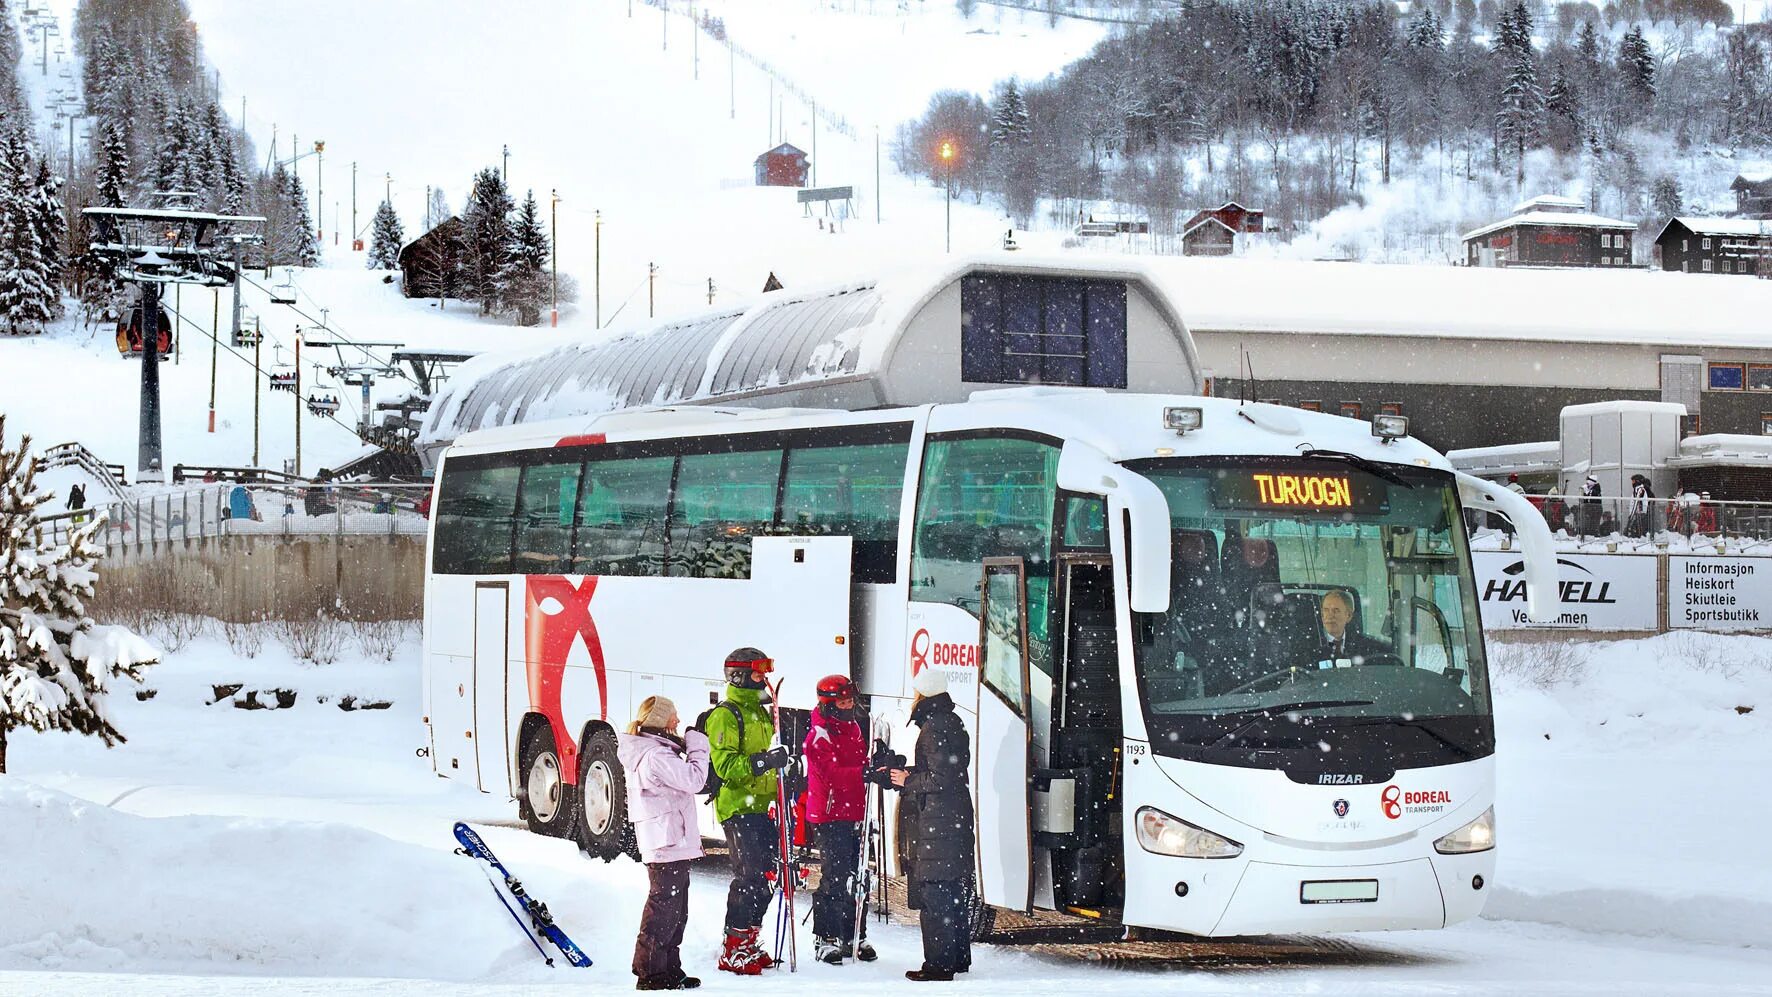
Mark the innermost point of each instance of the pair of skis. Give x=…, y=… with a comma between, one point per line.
x=862, y=884
x=540, y=925
x=786, y=874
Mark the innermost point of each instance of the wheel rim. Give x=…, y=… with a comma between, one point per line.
x=599, y=797
x=544, y=785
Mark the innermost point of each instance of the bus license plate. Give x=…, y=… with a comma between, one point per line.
x=1339, y=891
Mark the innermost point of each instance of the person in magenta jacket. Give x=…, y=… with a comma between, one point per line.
x=664, y=772
x=836, y=802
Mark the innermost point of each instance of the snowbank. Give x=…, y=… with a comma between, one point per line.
x=110, y=890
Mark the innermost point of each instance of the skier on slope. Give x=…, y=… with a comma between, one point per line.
x=664, y=772
x=836, y=800
x=936, y=817
x=741, y=734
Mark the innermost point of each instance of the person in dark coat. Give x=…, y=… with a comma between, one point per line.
x=836, y=752
x=77, y=502
x=937, y=815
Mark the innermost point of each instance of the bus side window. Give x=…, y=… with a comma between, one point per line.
x=475, y=513
x=544, y=518
x=981, y=497
x=619, y=526
x=849, y=491
x=722, y=500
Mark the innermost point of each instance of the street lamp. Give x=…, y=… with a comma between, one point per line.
x=947, y=158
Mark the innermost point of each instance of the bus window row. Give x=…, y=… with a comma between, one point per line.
x=691, y=515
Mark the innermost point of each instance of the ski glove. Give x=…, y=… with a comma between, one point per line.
x=775, y=758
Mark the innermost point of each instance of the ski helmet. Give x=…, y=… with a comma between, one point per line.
x=746, y=668
x=834, y=687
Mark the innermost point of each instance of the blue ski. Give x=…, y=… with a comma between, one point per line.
x=539, y=918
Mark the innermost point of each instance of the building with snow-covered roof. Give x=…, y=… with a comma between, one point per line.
x=1753, y=191
x=928, y=335
x=783, y=166
x=1716, y=245
x=1550, y=231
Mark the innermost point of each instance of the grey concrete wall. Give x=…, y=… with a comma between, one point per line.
x=241, y=579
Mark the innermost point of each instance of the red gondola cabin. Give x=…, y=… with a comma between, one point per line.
x=129, y=335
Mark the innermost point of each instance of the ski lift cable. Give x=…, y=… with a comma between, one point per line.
x=332, y=329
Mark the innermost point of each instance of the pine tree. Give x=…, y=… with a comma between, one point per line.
x=1636, y=65
x=524, y=283
x=49, y=224
x=1521, y=118
x=305, y=245
x=56, y=665
x=487, y=240
x=1425, y=31
x=27, y=298
x=386, y=239
x=113, y=169
x=1747, y=107
x=175, y=158
x=1009, y=118
x=1564, y=113
x=1513, y=37
x=1665, y=197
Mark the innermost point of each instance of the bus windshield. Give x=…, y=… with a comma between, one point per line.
x=1322, y=618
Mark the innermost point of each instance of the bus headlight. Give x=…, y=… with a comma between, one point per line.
x=1477, y=836
x=1165, y=835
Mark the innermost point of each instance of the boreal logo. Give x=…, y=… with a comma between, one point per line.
x=1341, y=808
x=926, y=652
x=1395, y=802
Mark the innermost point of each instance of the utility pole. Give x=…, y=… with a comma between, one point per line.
x=772, y=112
x=147, y=461
x=947, y=157
x=876, y=174
x=651, y=284
x=814, y=143
x=298, y=401
x=353, y=204
x=320, y=191
x=598, y=271
x=387, y=190
x=258, y=340
x=694, y=44
x=665, y=19
x=427, y=207
x=554, y=244
x=731, y=80
x=504, y=172
x=214, y=347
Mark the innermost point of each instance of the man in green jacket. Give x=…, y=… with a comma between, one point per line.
x=744, y=755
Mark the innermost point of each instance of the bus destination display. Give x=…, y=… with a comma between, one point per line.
x=1282, y=491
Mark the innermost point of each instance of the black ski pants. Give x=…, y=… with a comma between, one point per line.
x=833, y=905
x=657, y=953
x=947, y=937
x=754, y=841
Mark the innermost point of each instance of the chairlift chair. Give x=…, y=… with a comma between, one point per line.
x=284, y=293
x=283, y=380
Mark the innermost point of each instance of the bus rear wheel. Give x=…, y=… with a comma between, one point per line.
x=603, y=799
x=547, y=801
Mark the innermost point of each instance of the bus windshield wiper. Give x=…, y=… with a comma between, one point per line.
x=1259, y=714
x=1367, y=464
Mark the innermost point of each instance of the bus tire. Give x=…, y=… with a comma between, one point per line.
x=547, y=801
x=602, y=824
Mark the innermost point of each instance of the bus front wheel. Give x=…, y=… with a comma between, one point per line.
x=603, y=799
x=547, y=801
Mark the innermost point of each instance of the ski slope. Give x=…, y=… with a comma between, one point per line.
x=307, y=850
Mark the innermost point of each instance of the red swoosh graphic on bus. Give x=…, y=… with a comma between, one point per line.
x=547, y=640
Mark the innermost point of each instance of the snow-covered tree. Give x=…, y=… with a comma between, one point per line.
x=1009, y=117
x=113, y=168
x=486, y=240
x=524, y=283
x=50, y=224
x=1563, y=113
x=1665, y=199
x=386, y=238
x=1521, y=118
x=1425, y=30
x=1636, y=67
x=56, y=666
x=28, y=297
x=305, y=243
x=1748, y=104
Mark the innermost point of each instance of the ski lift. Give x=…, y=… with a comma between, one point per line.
x=322, y=404
x=284, y=293
x=282, y=380
x=248, y=337
x=129, y=335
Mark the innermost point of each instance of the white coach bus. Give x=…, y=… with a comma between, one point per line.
x=1127, y=590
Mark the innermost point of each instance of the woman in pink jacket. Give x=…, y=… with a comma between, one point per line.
x=836, y=801
x=664, y=772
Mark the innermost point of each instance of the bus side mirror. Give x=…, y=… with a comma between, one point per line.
x=1082, y=468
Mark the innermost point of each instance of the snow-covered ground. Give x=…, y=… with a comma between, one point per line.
x=306, y=850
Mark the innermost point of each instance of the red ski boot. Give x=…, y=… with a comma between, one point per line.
x=739, y=954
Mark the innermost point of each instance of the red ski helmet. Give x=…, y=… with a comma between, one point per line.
x=834, y=687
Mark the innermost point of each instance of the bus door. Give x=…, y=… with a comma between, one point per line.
x=1002, y=762
x=1076, y=796
x=492, y=621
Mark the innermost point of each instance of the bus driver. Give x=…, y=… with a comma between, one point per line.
x=1339, y=642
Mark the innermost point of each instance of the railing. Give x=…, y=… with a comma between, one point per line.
x=147, y=523
x=76, y=455
x=1680, y=523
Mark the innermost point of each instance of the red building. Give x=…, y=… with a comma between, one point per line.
x=783, y=166
x=1214, y=232
x=1551, y=231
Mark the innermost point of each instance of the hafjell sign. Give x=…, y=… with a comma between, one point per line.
x=1594, y=592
